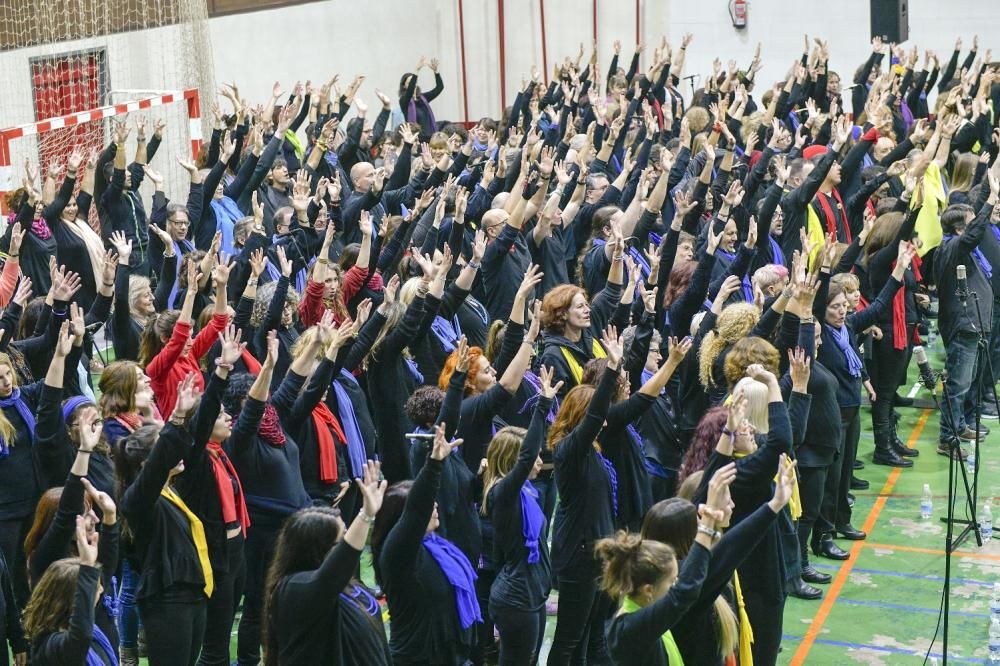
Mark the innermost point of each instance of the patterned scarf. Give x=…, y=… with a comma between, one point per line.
x=270, y=427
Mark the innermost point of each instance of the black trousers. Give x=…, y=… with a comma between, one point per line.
x=485, y=639
x=583, y=611
x=521, y=633
x=12, y=533
x=766, y=612
x=222, y=607
x=259, y=549
x=836, y=511
x=812, y=484
x=175, y=626
x=888, y=370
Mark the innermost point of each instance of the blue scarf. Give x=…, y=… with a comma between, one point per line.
x=448, y=332
x=349, y=423
x=93, y=659
x=612, y=477
x=776, y=253
x=458, y=570
x=747, y=287
x=411, y=365
x=655, y=239
x=300, y=278
x=27, y=416
x=186, y=246
x=532, y=520
x=843, y=340
x=227, y=213
x=640, y=259
x=981, y=260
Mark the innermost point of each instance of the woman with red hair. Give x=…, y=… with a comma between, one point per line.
x=572, y=325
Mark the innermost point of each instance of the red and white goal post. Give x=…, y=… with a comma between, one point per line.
x=90, y=130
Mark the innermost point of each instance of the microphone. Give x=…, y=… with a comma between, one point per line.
x=963, y=286
x=926, y=374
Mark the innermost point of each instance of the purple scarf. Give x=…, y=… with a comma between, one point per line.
x=349, y=422
x=532, y=380
x=532, y=520
x=411, y=111
x=843, y=340
x=411, y=365
x=612, y=477
x=27, y=416
x=776, y=253
x=41, y=229
x=457, y=569
x=93, y=659
x=981, y=260
x=447, y=332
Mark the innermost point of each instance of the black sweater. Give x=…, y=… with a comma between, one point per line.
x=272, y=481
x=70, y=647
x=425, y=624
x=71, y=251
x=519, y=584
x=161, y=532
x=586, y=512
x=637, y=637
x=314, y=624
x=22, y=472
x=504, y=264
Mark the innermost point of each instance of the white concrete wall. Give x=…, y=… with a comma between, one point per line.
x=384, y=39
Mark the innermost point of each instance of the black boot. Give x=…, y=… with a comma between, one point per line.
x=859, y=484
x=809, y=573
x=885, y=453
x=800, y=590
x=825, y=547
x=900, y=448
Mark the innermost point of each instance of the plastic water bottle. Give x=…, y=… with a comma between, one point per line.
x=995, y=640
x=926, y=503
x=986, y=523
x=995, y=601
x=970, y=463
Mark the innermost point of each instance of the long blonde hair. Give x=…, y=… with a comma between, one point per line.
x=736, y=321
x=7, y=430
x=501, y=456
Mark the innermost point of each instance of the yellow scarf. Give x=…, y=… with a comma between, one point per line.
x=746, y=631
x=674, y=657
x=575, y=368
x=816, y=234
x=928, y=225
x=198, y=534
x=293, y=140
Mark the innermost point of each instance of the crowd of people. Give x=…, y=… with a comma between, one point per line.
x=613, y=343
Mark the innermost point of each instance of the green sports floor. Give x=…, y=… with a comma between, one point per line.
x=882, y=607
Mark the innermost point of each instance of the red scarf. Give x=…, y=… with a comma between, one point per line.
x=831, y=219
x=131, y=422
x=327, y=426
x=270, y=428
x=899, y=339
x=234, y=507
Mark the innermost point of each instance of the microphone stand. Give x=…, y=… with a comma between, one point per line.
x=951, y=542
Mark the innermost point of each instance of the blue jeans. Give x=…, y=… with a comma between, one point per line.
x=989, y=383
x=962, y=373
x=128, y=619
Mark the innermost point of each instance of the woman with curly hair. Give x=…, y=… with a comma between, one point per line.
x=275, y=309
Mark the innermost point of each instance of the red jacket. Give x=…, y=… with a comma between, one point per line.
x=169, y=367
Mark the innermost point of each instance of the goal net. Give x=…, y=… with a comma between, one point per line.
x=70, y=67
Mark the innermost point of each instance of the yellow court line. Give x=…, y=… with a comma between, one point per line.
x=838, y=582
x=931, y=551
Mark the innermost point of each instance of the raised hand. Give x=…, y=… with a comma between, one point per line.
x=67, y=286
x=16, y=238
x=372, y=487
x=232, y=347
x=23, y=293
x=100, y=499
x=612, y=343
x=284, y=263
x=679, y=349
x=799, y=369
x=546, y=388
x=442, y=448
x=64, y=341
x=188, y=395
x=785, y=486
x=86, y=543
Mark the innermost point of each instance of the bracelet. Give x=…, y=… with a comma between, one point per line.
x=178, y=424
x=730, y=433
x=225, y=366
x=473, y=265
x=13, y=256
x=83, y=451
x=108, y=284
x=367, y=518
x=323, y=260
x=705, y=529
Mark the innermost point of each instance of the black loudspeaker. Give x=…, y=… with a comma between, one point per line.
x=891, y=20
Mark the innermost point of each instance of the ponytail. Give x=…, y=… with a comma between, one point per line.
x=631, y=562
